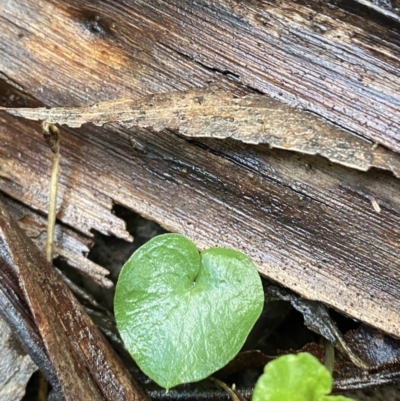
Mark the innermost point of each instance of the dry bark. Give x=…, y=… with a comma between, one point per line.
x=211, y=113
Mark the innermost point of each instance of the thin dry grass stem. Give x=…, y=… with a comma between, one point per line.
x=52, y=137
x=232, y=393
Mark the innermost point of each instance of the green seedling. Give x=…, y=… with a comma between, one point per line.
x=298, y=377
x=183, y=314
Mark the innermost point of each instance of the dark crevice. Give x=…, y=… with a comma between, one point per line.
x=111, y=252
x=229, y=74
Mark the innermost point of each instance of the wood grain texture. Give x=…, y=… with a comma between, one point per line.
x=24, y=182
x=312, y=54
x=86, y=366
x=69, y=245
x=213, y=113
x=306, y=224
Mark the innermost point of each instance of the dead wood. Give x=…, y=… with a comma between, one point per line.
x=69, y=245
x=82, y=364
x=333, y=62
x=307, y=224
x=211, y=113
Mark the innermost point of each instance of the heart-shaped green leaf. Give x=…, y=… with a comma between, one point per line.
x=298, y=377
x=183, y=315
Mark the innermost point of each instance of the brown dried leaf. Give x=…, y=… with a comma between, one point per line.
x=374, y=347
x=209, y=113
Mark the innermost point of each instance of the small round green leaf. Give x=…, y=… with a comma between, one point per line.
x=298, y=377
x=183, y=315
